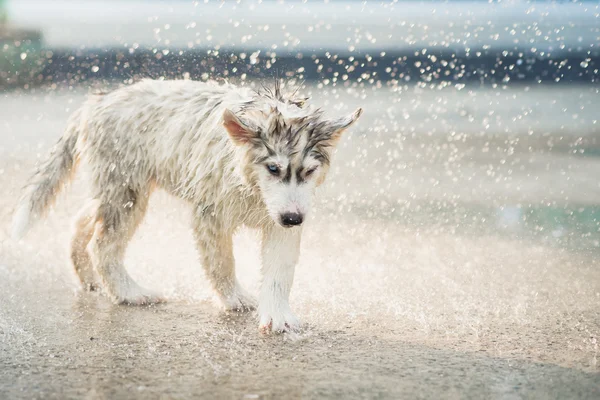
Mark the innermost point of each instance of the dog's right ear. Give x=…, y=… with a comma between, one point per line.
x=238, y=131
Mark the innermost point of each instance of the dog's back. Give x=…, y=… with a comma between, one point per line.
x=153, y=133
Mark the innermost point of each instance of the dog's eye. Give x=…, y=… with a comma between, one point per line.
x=310, y=171
x=274, y=169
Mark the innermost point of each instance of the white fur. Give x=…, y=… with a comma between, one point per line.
x=21, y=222
x=280, y=252
x=170, y=135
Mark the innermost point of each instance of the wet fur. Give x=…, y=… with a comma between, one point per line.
x=205, y=143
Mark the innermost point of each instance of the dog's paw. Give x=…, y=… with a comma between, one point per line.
x=278, y=322
x=90, y=287
x=143, y=300
x=239, y=300
x=139, y=296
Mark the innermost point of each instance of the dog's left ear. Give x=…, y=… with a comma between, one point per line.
x=238, y=130
x=338, y=126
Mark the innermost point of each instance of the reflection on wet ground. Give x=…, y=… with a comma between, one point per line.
x=84, y=347
x=432, y=267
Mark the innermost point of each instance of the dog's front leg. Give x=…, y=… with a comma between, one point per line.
x=280, y=252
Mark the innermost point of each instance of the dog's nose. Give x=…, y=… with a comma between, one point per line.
x=291, y=219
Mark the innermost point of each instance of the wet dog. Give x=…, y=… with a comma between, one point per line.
x=238, y=156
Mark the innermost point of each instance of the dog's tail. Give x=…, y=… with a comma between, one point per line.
x=48, y=180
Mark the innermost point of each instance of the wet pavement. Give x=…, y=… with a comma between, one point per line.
x=454, y=253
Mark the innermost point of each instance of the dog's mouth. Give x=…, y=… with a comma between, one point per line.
x=290, y=226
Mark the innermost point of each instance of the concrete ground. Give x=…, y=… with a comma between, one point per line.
x=454, y=253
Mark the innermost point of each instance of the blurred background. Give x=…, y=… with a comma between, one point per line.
x=460, y=94
x=386, y=43
x=454, y=74
x=462, y=213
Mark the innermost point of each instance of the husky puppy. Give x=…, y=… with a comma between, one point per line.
x=239, y=157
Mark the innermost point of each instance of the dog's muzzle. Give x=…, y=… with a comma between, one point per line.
x=291, y=219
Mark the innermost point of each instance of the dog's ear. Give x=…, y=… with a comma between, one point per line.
x=338, y=126
x=238, y=130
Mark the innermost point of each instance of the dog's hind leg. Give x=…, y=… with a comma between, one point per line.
x=216, y=250
x=80, y=258
x=116, y=222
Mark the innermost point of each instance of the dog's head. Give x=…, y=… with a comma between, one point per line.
x=287, y=150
